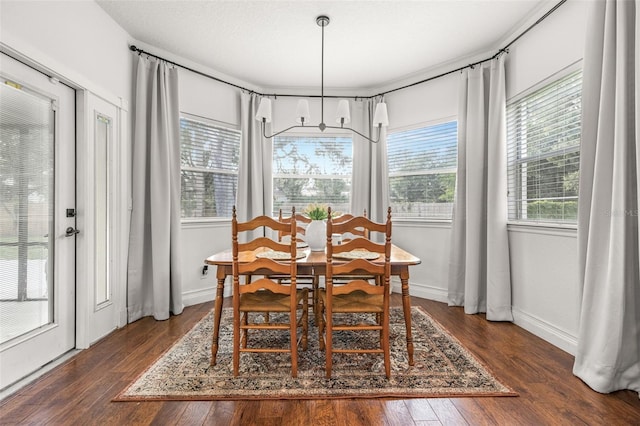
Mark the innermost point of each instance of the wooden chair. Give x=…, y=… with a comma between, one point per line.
x=357, y=295
x=261, y=294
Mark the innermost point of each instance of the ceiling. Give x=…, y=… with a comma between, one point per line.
x=368, y=44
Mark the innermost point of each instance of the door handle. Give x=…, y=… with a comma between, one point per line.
x=71, y=231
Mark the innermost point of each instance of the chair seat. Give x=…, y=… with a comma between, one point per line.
x=267, y=301
x=355, y=302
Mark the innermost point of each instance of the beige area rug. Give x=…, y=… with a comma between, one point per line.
x=443, y=368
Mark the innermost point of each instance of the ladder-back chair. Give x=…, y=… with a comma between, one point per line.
x=257, y=260
x=353, y=260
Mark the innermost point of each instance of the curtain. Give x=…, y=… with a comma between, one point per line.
x=370, y=167
x=608, y=353
x=255, y=185
x=154, y=275
x=479, y=273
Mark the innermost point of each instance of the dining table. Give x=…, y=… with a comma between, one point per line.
x=313, y=263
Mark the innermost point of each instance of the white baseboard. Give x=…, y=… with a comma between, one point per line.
x=546, y=331
x=195, y=297
x=421, y=290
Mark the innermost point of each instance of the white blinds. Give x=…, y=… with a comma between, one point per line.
x=209, y=157
x=311, y=169
x=422, y=171
x=543, y=137
x=27, y=210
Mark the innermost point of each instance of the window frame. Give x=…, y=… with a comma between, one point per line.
x=214, y=123
x=514, y=223
x=416, y=126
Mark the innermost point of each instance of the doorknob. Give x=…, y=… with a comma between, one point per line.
x=71, y=231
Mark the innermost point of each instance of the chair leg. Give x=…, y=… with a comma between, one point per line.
x=236, y=343
x=385, y=347
x=316, y=287
x=245, y=332
x=328, y=352
x=320, y=323
x=305, y=322
x=293, y=328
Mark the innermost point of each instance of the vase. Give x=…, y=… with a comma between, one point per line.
x=316, y=235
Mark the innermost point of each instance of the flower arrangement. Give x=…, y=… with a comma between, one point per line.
x=319, y=211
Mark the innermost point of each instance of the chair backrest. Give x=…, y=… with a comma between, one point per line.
x=246, y=263
x=355, y=232
x=363, y=265
x=301, y=222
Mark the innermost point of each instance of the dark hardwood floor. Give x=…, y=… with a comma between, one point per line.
x=80, y=391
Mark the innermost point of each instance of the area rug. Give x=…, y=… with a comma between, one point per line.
x=443, y=368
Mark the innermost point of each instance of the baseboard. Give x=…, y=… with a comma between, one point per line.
x=421, y=290
x=195, y=297
x=545, y=331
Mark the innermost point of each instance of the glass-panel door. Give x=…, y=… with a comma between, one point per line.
x=37, y=220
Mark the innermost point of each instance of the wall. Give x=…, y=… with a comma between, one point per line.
x=77, y=40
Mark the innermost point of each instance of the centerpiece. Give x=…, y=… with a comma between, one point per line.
x=316, y=233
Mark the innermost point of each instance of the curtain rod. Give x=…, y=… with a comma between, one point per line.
x=505, y=49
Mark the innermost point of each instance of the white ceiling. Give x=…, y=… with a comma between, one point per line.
x=368, y=44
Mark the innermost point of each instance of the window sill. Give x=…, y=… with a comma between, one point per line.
x=216, y=222
x=421, y=222
x=556, y=229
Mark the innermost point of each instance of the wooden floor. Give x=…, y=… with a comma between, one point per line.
x=80, y=391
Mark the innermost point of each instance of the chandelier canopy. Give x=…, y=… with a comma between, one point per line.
x=343, y=116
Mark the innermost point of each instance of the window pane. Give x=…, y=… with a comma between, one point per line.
x=543, y=134
x=209, y=157
x=27, y=211
x=422, y=171
x=309, y=169
x=427, y=196
x=206, y=194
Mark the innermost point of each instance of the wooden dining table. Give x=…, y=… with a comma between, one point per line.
x=313, y=263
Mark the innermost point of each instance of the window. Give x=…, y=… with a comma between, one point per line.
x=209, y=155
x=309, y=169
x=543, y=138
x=422, y=171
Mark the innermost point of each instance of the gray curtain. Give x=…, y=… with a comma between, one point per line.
x=370, y=178
x=154, y=276
x=255, y=186
x=479, y=273
x=608, y=354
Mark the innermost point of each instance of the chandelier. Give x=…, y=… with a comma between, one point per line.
x=343, y=116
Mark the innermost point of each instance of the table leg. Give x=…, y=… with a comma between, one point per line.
x=406, y=305
x=217, y=313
